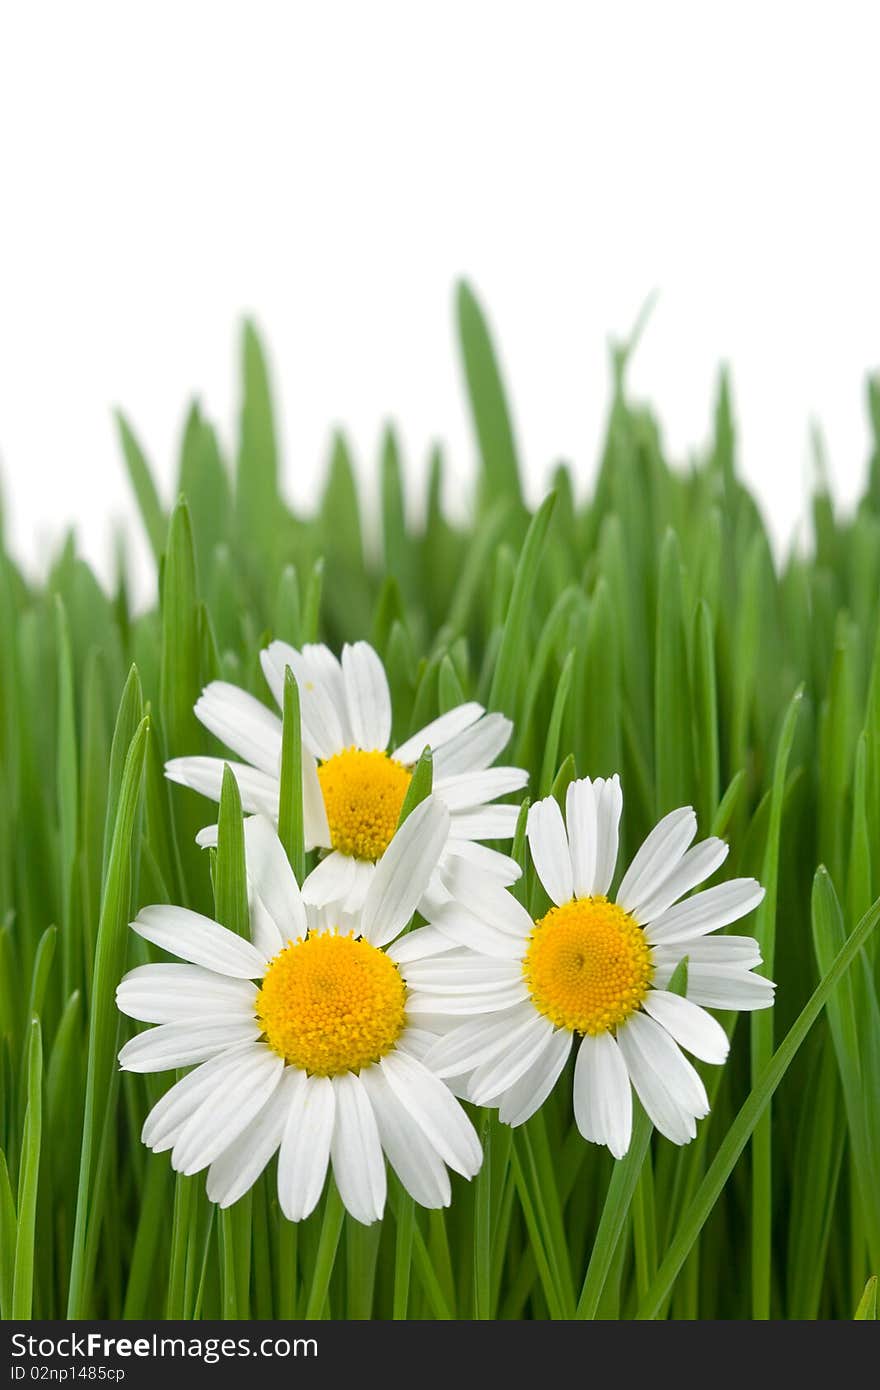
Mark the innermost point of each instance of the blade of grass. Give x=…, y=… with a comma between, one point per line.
x=507, y=678
x=312, y=602
x=361, y=1255
x=596, y=709
x=328, y=1244
x=28, y=1180
x=103, y=1025
x=762, y=1028
x=151, y=510
x=151, y=1220
x=748, y=1117
x=867, y=1309
x=8, y=1240
x=557, y=714
x=850, y=1015
x=67, y=792
x=487, y=399
x=180, y=677
x=231, y=911
x=705, y=723
x=230, y=876
x=420, y=786
x=291, y=825
x=256, y=489
x=482, y=1193
x=404, y=1231
x=673, y=705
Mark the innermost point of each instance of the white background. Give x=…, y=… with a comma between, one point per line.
x=333, y=168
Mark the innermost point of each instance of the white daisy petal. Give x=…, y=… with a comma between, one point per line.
x=743, y=951
x=727, y=987
x=486, y=899
x=667, y=1085
x=435, y=896
x=356, y=1151
x=175, y=993
x=417, y=1042
x=426, y=1029
x=258, y=791
x=461, y=971
x=171, y=1111
x=321, y=701
x=466, y=929
x=171, y=1045
x=264, y=933
x=581, y=823
x=706, y=912
x=683, y=1081
x=331, y=880
x=436, y=1111
x=315, y=825
x=305, y=1147
x=488, y=999
x=403, y=872
x=472, y=1044
x=469, y=790
x=657, y=859
x=221, y=1117
x=437, y=733
x=411, y=1155
x=271, y=878
x=243, y=723
x=330, y=917
x=475, y=748
x=424, y=941
x=668, y=1118
x=458, y=1086
x=698, y=864
x=273, y=660
x=690, y=1026
x=491, y=1079
x=322, y=669
x=208, y=836
x=367, y=696
x=548, y=843
x=488, y=861
x=528, y=1094
x=360, y=886
x=487, y=823
x=609, y=806
x=602, y=1094
x=236, y=1169
x=199, y=940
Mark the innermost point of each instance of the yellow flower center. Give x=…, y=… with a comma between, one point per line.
x=363, y=795
x=588, y=965
x=331, y=1003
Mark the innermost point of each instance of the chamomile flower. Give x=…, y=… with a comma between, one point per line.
x=301, y=1038
x=353, y=786
x=591, y=973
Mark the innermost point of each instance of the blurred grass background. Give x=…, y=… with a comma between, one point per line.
x=644, y=628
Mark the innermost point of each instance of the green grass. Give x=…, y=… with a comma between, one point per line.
x=638, y=625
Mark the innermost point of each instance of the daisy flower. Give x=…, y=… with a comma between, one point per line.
x=353, y=786
x=591, y=973
x=301, y=1039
